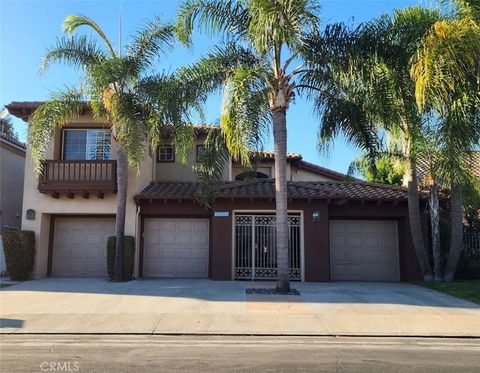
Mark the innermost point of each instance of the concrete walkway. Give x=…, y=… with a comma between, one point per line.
x=159, y=306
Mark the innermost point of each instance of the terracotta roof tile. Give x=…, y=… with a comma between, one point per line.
x=354, y=190
x=12, y=140
x=423, y=168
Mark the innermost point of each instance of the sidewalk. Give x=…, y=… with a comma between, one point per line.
x=210, y=307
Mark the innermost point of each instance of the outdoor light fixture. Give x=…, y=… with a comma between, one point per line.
x=30, y=214
x=316, y=216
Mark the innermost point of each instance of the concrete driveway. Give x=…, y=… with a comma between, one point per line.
x=160, y=306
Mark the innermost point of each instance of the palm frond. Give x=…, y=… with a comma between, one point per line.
x=81, y=52
x=73, y=21
x=245, y=115
x=157, y=38
x=229, y=17
x=213, y=165
x=62, y=107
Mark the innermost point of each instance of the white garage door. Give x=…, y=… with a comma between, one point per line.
x=80, y=246
x=176, y=248
x=364, y=250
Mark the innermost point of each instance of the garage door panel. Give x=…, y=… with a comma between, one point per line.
x=79, y=246
x=184, y=240
x=182, y=250
x=364, y=250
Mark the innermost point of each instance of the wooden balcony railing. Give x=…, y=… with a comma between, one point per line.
x=83, y=177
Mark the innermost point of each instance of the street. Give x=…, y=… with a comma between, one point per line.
x=149, y=353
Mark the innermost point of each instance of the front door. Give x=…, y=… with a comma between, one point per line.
x=255, y=247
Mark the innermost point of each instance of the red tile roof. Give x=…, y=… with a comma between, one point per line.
x=12, y=141
x=354, y=190
x=266, y=155
x=423, y=168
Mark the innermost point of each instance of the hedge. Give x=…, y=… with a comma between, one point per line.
x=19, y=249
x=128, y=257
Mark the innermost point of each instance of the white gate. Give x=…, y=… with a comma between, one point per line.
x=255, y=247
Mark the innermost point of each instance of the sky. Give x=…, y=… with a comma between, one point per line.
x=27, y=28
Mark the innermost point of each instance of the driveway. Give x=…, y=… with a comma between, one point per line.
x=159, y=306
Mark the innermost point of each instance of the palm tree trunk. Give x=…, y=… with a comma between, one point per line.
x=435, y=227
x=415, y=221
x=280, y=148
x=122, y=185
x=456, y=241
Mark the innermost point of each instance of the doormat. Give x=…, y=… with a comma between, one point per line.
x=271, y=291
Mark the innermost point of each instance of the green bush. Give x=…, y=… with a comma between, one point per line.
x=19, y=249
x=128, y=257
x=468, y=265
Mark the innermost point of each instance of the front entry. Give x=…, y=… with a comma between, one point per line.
x=255, y=247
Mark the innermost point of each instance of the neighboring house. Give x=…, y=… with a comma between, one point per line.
x=339, y=229
x=12, y=171
x=423, y=168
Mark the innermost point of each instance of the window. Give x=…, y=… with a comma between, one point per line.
x=200, y=152
x=166, y=154
x=86, y=144
x=251, y=175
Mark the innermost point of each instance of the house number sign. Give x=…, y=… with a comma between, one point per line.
x=222, y=214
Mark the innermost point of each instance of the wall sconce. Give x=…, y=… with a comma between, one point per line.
x=316, y=216
x=30, y=214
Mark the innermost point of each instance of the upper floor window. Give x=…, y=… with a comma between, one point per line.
x=86, y=144
x=166, y=154
x=200, y=153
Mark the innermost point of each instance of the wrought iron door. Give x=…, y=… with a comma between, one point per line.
x=255, y=247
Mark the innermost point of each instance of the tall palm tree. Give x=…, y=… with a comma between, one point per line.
x=134, y=105
x=263, y=38
x=447, y=74
x=369, y=89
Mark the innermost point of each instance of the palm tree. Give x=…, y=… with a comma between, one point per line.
x=134, y=105
x=369, y=90
x=262, y=39
x=447, y=74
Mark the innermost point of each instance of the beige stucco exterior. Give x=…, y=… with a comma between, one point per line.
x=12, y=170
x=150, y=170
x=180, y=171
x=45, y=206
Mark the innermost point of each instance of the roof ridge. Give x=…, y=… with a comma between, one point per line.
x=13, y=140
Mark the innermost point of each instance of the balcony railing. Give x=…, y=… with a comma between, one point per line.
x=72, y=177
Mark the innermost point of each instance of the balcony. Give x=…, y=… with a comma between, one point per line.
x=78, y=177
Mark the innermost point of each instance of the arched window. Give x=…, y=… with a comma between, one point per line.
x=251, y=175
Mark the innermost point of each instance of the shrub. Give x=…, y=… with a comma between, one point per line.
x=19, y=249
x=468, y=265
x=128, y=257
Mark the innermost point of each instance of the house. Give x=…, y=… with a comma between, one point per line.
x=12, y=171
x=340, y=229
x=423, y=168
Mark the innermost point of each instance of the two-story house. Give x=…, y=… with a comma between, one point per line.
x=340, y=229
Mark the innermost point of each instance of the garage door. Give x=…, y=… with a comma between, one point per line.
x=176, y=248
x=364, y=250
x=79, y=246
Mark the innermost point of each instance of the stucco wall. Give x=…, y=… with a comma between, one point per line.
x=12, y=169
x=304, y=175
x=46, y=206
x=178, y=171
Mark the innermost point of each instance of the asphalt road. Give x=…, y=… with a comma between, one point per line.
x=30, y=353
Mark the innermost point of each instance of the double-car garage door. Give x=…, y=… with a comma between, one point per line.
x=364, y=250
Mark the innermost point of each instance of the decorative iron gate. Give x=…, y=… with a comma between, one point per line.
x=255, y=247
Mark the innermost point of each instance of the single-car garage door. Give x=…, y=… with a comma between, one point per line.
x=79, y=246
x=176, y=248
x=364, y=250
